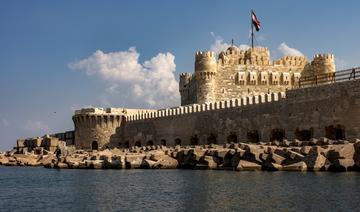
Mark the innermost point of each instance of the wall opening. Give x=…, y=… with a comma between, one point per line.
x=194, y=140
x=304, y=135
x=232, y=138
x=335, y=132
x=163, y=142
x=150, y=143
x=137, y=143
x=211, y=139
x=277, y=134
x=120, y=145
x=178, y=141
x=127, y=144
x=252, y=136
x=94, y=145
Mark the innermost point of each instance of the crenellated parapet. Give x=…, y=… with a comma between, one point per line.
x=290, y=61
x=219, y=105
x=96, y=127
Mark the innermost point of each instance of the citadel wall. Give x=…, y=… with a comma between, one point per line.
x=329, y=110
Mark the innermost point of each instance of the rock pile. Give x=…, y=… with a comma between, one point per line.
x=315, y=155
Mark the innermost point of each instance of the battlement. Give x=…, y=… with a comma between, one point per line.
x=201, y=55
x=108, y=111
x=219, y=105
x=292, y=61
x=322, y=57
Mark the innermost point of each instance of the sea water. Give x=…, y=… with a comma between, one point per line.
x=40, y=189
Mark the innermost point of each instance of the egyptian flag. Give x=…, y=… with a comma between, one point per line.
x=255, y=21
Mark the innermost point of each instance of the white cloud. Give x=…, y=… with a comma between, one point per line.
x=219, y=44
x=36, y=126
x=4, y=122
x=152, y=82
x=285, y=50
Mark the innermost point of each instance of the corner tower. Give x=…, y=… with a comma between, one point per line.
x=205, y=72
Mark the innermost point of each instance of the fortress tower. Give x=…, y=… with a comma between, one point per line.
x=321, y=69
x=205, y=72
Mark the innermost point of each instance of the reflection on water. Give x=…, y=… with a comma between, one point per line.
x=39, y=189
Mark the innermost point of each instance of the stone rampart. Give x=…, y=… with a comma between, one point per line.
x=325, y=111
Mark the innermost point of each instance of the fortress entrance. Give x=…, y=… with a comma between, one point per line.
x=211, y=139
x=304, y=135
x=163, y=142
x=178, y=141
x=253, y=136
x=94, y=145
x=335, y=132
x=194, y=140
x=277, y=135
x=137, y=143
x=232, y=138
x=150, y=143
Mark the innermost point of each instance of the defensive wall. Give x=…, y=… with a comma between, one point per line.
x=329, y=110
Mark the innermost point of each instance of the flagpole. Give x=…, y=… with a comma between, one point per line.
x=252, y=30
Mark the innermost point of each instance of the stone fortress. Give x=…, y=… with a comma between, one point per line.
x=237, y=73
x=236, y=96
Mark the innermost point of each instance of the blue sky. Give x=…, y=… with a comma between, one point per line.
x=49, y=63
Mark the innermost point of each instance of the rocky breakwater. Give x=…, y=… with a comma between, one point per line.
x=314, y=155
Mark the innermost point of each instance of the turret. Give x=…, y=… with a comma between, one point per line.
x=184, y=87
x=205, y=72
x=323, y=64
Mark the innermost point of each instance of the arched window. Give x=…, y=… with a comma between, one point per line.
x=304, y=135
x=150, y=143
x=277, y=135
x=178, y=141
x=211, y=139
x=194, y=140
x=253, y=136
x=94, y=145
x=335, y=132
x=163, y=142
x=232, y=138
x=137, y=143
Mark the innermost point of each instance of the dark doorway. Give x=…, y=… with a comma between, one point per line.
x=163, y=142
x=277, y=134
x=178, y=141
x=335, y=132
x=120, y=145
x=127, y=145
x=137, y=143
x=150, y=143
x=194, y=140
x=253, y=136
x=94, y=145
x=304, y=135
x=232, y=138
x=211, y=139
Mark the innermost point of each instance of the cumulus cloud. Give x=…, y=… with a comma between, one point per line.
x=152, y=82
x=219, y=44
x=284, y=49
x=36, y=126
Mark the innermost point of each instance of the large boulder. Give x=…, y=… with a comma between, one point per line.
x=299, y=166
x=207, y=162
x=345, y=151
x=342, y=165
x=147, y=164
x=248, y=166
x=316, y=162
x=115, y=162
x=95, y=164
x=133, y=161
x=156, y=155
x=292, y=157
x=166, y=162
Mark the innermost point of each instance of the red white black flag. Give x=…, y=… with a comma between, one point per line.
x=255, y=21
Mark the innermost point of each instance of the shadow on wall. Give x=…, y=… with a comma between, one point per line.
x=335, y=132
